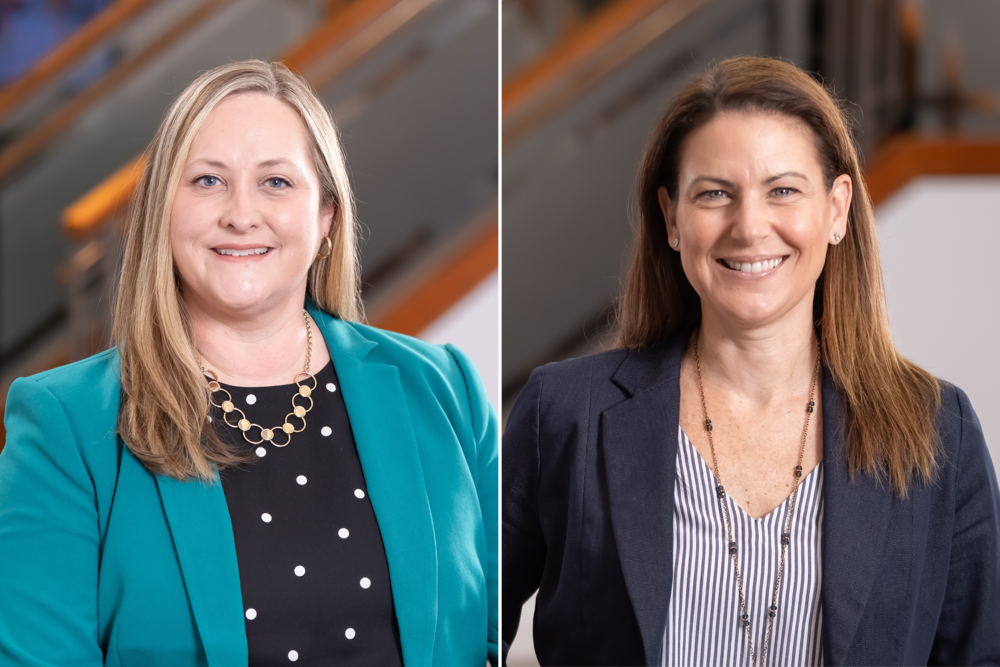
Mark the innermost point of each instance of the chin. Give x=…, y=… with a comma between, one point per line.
x=751, y=315
x=240, y=300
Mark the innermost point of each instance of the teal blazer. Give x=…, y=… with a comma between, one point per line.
x=105, y=563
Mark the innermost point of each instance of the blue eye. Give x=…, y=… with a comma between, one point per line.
x=784, y=192
x=276, y=182
x=714, y=194
x=207, y=181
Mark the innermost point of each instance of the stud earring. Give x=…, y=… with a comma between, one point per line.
x=676, y=241
x=836, y=237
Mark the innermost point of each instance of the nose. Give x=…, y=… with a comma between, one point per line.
x=750, y=223
x=241, y=213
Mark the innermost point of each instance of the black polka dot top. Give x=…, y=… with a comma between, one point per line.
x=313, y=570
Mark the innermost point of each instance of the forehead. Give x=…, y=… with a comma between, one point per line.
x=252, y=123
x=750, y=142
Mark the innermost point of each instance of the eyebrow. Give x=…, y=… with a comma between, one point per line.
x=712, y=179
x=729, y=184
x=266, y=164
x=275, y=162
x=783, y=174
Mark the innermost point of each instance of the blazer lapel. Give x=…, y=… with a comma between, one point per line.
x=855, y=525
x=387, y=447
x=203, y=538
x=639, y=447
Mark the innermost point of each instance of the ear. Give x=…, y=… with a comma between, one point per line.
x=669, y=217
x=326, y=215
x=840, y=204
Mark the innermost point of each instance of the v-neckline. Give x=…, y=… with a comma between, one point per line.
x=715, y=482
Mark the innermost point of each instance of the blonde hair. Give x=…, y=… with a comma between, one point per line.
x=164, y=403
x=891, y=403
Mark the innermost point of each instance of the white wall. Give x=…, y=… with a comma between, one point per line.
x=940, y=241
x=473, y=324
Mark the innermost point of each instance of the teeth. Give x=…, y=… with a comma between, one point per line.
x=241, y=253
x=755, y=267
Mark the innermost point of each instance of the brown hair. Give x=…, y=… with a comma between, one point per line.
x=164, y=404
x=891, y=403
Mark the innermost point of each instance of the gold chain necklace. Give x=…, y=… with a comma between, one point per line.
x=298, y=411
x=720, y=491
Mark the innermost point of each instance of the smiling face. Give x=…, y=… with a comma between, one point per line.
x=754, y=217
x=247, y=220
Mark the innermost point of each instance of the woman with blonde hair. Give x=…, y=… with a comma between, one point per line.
x=756, y=476
x=251, y=474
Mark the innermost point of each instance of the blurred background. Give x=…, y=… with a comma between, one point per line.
x=412, y=85
x=585, y=81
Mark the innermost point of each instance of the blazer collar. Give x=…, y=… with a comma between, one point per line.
x=646, y=368
x=639, y=447
x=341, y=338
x=387, y=446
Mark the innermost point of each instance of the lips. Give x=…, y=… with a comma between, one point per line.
x=753, y=266
x=241, y=252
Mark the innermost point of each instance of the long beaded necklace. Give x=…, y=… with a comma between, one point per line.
x=298, y=411
x=720, y=491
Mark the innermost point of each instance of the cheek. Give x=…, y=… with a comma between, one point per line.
x=806, y=231
x=184, y=221
x=700, y=231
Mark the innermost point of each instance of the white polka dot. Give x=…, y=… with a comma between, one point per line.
x=209, y=418
x=358, y=493
x=251, y=399
x=251, y=614
x=301, y=479
x=299, y=570
x=293, y=655
x=261, y=452
x=349, y=633
x=343, y=532
x=326, y=430
x=366, y=582
x=265, y=517
x=331, y=387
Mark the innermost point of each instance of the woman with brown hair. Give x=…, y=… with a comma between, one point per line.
x=251, y=476
x=756, y=476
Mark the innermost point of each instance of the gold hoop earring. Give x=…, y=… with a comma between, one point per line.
x=329, y=248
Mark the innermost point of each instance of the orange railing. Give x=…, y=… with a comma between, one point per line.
x=906, y=157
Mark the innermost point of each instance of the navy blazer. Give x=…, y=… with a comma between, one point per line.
x=589, y=464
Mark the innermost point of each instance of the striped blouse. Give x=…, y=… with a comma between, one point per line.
x=703, y=621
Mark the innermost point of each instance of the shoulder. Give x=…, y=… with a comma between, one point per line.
x=66, y=417
x=959, y=427
x=86, y=390
x=430, y=365
x=563, y=392
x=439, y=373
x=403, y=350
x=80, y=376
x=578, y=373
x=955, y=404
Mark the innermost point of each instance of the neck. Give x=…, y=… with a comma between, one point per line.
x=761, y=364
x=264, y=349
